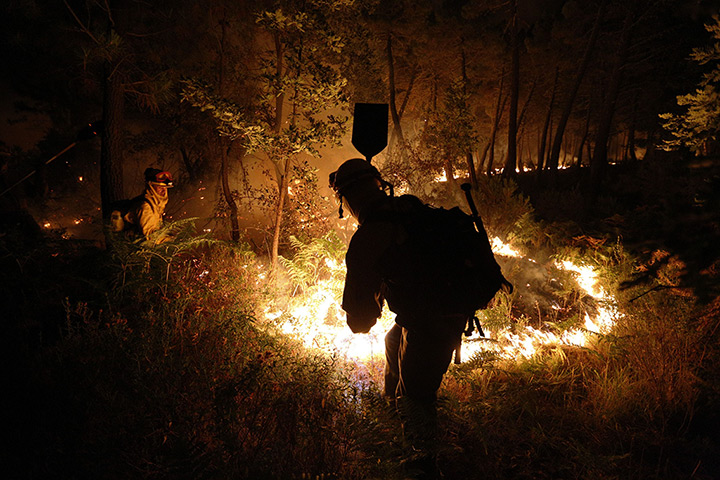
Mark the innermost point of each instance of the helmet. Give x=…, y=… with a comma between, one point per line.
x=350, y=172
x=159, y=177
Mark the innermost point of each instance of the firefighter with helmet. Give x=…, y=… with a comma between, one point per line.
x=143, y=214
x=418, y=349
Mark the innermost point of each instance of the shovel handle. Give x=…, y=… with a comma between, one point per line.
x=471, y=203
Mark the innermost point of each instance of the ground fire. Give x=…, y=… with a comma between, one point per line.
x=316, y=318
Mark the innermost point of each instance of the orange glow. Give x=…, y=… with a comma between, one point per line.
x=316, y=318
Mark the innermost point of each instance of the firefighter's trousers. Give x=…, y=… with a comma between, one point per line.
x=415, y=362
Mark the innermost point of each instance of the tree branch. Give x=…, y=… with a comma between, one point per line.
x=82, y=26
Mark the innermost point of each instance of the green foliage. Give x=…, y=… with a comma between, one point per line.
x=504, y=211
x=299, y=72
x=310, y=263
x=699, y=122
x=448, y=133
x=150, y=260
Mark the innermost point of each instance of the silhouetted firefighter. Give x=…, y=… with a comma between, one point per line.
x=435, y=269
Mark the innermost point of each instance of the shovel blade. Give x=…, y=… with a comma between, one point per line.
x=370, y=128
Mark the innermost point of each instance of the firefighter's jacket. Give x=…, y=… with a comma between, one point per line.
x=147, y=215
x=365, y=291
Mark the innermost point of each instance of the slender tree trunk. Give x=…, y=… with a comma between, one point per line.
x=112, y=139
x=630, y=148
x=282, y=173
x=570, y=101
x=525, y=106
x=187, y=161
x=227, y=192
x=546, y=125
x=521, y=128
x=397, y=133
x=583, y=139
x=280, y=98
x=413, y=76
x=226, y=146
x=651, y=145
x=547, y=151
x=452, y=184
x=489, y=149
x=511, y=161
x=468, y=155
x=282, y=197
x=471, y=169
x=599, y=162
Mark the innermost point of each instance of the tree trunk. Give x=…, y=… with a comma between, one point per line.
x=227, y=193
x=397, y=132
x=280, y=98
x=630, y=148
x=600, y=156
x=471, y=169
x=282, y=174
x=521, y=128
x=189, y=167
x=490, y=147
x=452, y=183
x=570, y=101
x=525, y=106
x=111, y=147
x=282, y=196
x=546, y=125
x=583, y=138
x=468, y=155
x=511, y=161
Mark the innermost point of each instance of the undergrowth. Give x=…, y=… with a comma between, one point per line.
x=160, y=367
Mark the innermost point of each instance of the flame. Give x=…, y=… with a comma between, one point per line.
x=316, y=318
x=526, y=342
x=504, y=249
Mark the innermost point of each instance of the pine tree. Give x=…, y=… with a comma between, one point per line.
x=697, y=126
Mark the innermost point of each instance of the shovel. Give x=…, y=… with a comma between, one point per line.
x=370, y=128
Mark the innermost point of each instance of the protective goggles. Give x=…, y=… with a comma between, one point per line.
x=164, y=179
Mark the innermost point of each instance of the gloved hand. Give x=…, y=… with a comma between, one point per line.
x=360, y=324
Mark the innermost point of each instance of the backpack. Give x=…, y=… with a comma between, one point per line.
x=441, y=264
x=120, y=208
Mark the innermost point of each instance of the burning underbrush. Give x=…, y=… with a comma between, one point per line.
x=560, y=302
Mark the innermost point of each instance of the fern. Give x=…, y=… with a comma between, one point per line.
x=313, y=261
x=149, y=260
